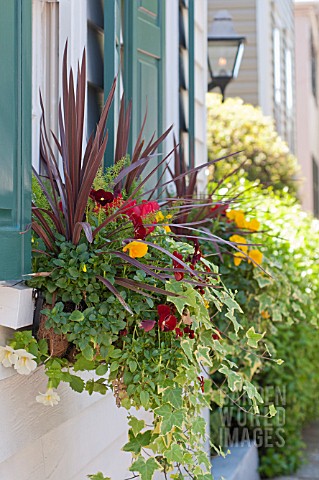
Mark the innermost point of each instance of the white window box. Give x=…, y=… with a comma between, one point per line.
x=16, y=306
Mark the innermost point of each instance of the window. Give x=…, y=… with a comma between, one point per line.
x=315, y=186
x=277, y=66
x=313, y=56
x=289, y=82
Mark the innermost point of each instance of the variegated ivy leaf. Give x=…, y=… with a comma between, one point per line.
x=253, y=337
x=136, y=425
x=272, y=411
x=252, y=391
x=171, y=418
x=234, y=380
x=173, y=396
x=145, y=467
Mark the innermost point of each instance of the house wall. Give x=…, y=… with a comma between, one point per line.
x=245, y=23
x=307, y=113
x=256, y=20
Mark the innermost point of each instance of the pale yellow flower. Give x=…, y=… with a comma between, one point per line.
x=25, y=363
x=169, y=216
x=256, y=257
x=239, y=239
x=84, y=269
x=8, y=356
x=50, y=398
x=136, y=249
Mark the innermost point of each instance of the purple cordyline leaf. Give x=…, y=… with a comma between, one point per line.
x=39, y=230
x=123, y=282
x=123, y=173
x=115, y=292
x=147, y=325
x=169, y=254
x=78, y=227
x=146, y=286
x=136, y=263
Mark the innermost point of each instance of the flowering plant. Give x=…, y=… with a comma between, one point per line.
x=124, y=297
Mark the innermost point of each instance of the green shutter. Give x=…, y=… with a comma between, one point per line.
x=144, y=22
x=112, y=49
x=15, y=137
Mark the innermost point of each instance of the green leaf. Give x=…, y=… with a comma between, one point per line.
x=145, y=467
x=272, y=410
x=173, y=396
x=101, y=370
x=76, y=383
x=76, y=316
x=234, y=380
x=132, y=365
x=83, y=364
x=187, y=346
x=253, y=337
x=145, y=398
x=136, y=425
x=203, y=356
x=171, y=418
x=98, y=476
x=137, y=442
x=199, y=426
x=88, y=352
x=174, y=454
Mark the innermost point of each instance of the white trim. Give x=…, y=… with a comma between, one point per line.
x=264, y=55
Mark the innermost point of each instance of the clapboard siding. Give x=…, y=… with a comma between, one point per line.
x=244, y=18
x=44, y=443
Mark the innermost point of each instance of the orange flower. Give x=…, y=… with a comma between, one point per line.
x=239, y=239
x=265, y=314
x=136, y=249
x=256, y=256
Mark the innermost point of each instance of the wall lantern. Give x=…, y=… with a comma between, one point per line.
x=225, y=52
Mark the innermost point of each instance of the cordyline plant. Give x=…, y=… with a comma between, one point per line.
x=124, y=297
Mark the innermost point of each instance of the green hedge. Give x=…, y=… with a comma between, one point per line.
x=287, y=292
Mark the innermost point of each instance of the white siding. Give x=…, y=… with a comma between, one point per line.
x=200, y=39
x=81, y=435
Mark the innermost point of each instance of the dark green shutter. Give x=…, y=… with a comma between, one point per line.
x=15, y=137
x=144, y=31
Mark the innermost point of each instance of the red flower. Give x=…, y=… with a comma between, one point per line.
x=179, y=332
x=137, y=212
x=178, y=275
x=218, y=335
x=201, y=382
x=197, y=253
x=167, y=321
x=219, y=209
x=101, y=197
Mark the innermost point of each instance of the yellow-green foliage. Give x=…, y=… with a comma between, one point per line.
x=234, y=126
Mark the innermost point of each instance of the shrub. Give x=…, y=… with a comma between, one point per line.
x=237, y=127
x=280, y=302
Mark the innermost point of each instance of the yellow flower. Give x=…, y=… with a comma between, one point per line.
x=255, y=255
x=231, y=214
x=238, y=217
x=136, y=249
x=168, y=216
x=240, y=220
x=159, y=216
x=167, y=228
x=239, y=239
x=238, y=258
x=253, y=225
x=84, y=268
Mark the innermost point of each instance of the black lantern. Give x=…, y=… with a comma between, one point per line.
x=225, y=51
